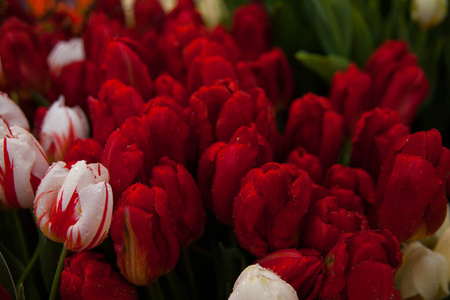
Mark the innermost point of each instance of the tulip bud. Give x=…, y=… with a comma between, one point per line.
x=116, y=102
x=22, y=165
x=307, y=162
x=11, y=113
x=270, y=210
x=375, y=133
x=424, y=272
x=351, y=94
x=362, y=266
x=303, y=269
x=256, y=282
x=120, y=55
x=88, y=275
x=327, y=220
x=61, y=127
x=251, y=30
x=185, y=202
x=411, y=186
x=74, y=206
x=64, y=53
x=222, y=166
x=353, y=187
x=429, y=13
x=314, y=125
x=143, y=235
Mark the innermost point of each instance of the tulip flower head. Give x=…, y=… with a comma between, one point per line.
x=11, y=113
x=22, y=165
x=74, y=206
x=255, y=282
x=429, y=13
x=423, y=272
x=65, y=53
x=61, y=127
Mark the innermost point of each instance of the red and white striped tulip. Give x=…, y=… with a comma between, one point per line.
x=11, y=113
x=61, y=127
x=22, y=165
x=75, y=206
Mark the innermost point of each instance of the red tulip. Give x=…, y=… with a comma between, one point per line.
x=351, y=94
x=219, y=110
x=127, y=155
x=327, y=220
x=88, y=150
x=411, y=186
x=88, y=275
x=120, y=56
x=313, y=125
x=399, y=82
x=185, y=202
x=270, y=210
x=307, y=162
x=143, y=235
x=166, y=85
x=375, y=133
x=116, y=102
x=169, y=132
x=23, y=58
x=222, y=166
x=303, y=269
x=362, y=266
x=99, y=31
x=354, y=187
x=251, y=30
x=77, y=81
x=271, y=72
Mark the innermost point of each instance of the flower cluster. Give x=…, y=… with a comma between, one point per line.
x=133, y=132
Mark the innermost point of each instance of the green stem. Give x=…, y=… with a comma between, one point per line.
x=29, y=267
x=57, y=277
x=155, y=291
x=175, y=286
x=190, y=273
x=346, y=151
x=21, y=236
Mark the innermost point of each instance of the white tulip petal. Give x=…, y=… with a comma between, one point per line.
x=65, y=53
x=11, y=112
x=47, y=193
x=61, y=127
x=95, y=218
x=423, y=272
x=258, y=283
x=21, y=163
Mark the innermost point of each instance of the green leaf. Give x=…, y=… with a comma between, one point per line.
x=332, y=22
x=324, y=66
x=363, y=44
x=6, y=279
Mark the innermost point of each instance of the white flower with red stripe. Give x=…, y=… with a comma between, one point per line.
x=61, y=127
x=22, y=165
x=11, y=113
x=75, y=206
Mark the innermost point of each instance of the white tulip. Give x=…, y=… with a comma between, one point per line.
x=258, y=283
x=423, y=273
x=429, y=13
